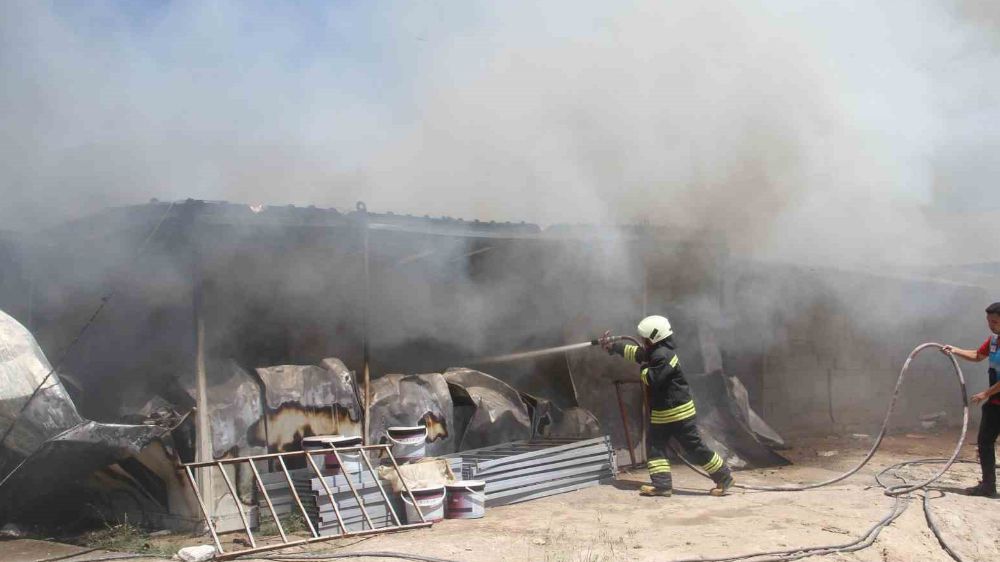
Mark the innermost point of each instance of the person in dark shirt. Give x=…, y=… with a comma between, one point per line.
x=672, y=411
x=989, y=425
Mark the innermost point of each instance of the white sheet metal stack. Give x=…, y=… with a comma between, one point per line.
x=526, y=470
x=318, y=506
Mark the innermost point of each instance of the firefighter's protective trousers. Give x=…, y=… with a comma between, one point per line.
x=685, y=432
x=672, y=413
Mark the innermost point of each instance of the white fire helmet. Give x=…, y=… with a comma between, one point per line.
x=655, y=328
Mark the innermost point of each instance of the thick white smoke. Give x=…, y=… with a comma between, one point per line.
x=803, y=129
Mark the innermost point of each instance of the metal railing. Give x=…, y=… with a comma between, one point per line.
x=189, y=469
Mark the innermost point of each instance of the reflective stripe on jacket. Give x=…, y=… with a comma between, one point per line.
x=670, y=396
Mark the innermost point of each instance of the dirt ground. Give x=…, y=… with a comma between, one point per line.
x=612, y=523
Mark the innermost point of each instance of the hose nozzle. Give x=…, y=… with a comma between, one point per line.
x=607, y=339
x=604, y=340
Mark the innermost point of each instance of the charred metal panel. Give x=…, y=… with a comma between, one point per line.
x=58, y=447
x=550, y=421
x=407, y=400
x=301, y=401
x=722, y=407
x=235, y=404
x=72, y=455
x=492, y=411
x=23, y=367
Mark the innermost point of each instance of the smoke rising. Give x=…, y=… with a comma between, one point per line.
x=786, y=126
x=803, y=131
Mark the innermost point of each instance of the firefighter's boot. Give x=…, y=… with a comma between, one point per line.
x=661, y=482
x=650, y=490
x=723, y=482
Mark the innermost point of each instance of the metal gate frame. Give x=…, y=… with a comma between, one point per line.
x=188, y=468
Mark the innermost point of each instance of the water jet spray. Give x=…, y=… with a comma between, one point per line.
x=605, y=339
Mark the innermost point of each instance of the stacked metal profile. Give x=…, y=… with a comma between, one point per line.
x=527, y=470
x=318, y=506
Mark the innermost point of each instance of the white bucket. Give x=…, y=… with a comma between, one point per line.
x=408, y=443
x=466, y=499
x=430, y=500
x=351, y=461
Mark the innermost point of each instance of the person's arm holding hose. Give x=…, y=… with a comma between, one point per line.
x=974, y=355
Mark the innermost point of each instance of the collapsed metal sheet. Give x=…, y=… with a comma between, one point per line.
x=234, y=403
x=248, y=414
x=145, y=489
x=73, y=455
x=722, y=421
x=551, y=421
x=305, y=400
x=487, y=410
x=725, y=418
x=409, y=400
x=56, y=445
x=23, y=367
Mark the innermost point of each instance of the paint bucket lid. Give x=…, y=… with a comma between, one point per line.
x=474, y=485
x=327, y=441
x=408, y=430
x=317, y=441
x=345, y=441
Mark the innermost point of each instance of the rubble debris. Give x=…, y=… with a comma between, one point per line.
x=827, y=453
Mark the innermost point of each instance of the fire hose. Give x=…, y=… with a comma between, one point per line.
x=899, y=492
x=901, y=489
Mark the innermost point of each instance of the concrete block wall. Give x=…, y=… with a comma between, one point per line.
x=827, y=361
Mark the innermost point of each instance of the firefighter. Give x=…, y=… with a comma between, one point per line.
x=672, y=408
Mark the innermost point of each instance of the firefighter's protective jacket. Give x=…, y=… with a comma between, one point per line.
x=670, y=396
